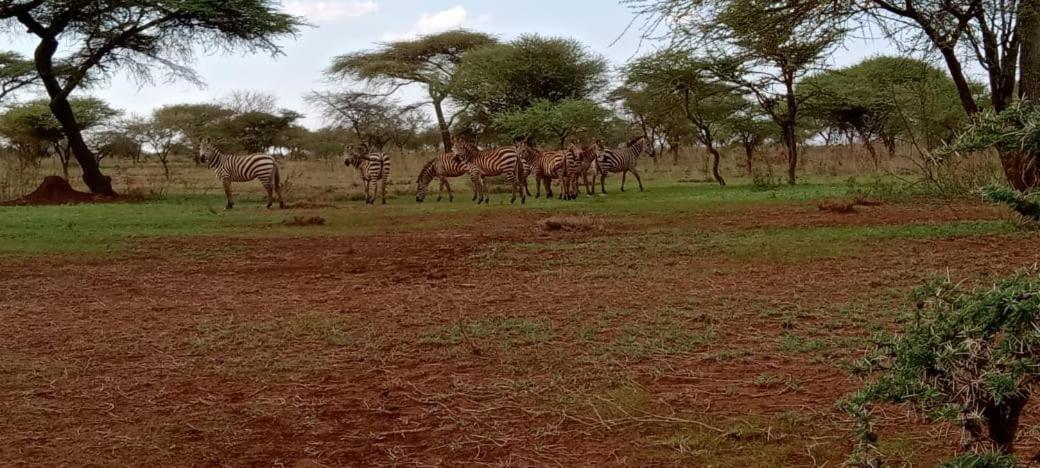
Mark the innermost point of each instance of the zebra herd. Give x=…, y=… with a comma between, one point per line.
x=571, y=166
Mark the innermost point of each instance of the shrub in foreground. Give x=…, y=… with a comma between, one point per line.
x=969, y=356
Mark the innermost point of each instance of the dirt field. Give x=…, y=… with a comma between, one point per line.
x=704, y=339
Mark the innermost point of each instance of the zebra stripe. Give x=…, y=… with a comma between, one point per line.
x=243, y=168
x=374, y=169
x=621, y=160
x=441, y=167
x=588, y=167
x=500, y=161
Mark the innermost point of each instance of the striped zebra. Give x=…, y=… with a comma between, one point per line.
x=571, y=171
x=442, y=167
x=547, y=166
x=243, y=168
x=622, y=160
x=489, y=163
x=544, y=166
x=588, y=167
x=374, y=169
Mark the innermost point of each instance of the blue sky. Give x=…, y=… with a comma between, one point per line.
x=342, y=26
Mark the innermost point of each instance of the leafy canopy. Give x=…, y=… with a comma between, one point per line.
x=514, y=76
x=555, y=122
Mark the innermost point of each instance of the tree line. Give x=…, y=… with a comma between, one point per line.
x=735, y=73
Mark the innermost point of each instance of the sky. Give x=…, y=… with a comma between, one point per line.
x=343, y=26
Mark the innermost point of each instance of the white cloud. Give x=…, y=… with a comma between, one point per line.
x=328, y=12
x=430, y=23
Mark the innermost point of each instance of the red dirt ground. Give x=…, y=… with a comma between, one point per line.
x=340, y=351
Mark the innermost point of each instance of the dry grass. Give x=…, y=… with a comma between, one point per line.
x=847, y=206
x=305, y=221
x=571, y=223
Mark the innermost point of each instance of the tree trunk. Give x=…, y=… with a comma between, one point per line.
x=791, y=127
x=869, y=145
x=674, y=148
x=442, y=124
x=1022, y=168
x=1003, y=422
x=716, y=157
x=749, y=151
x=961, y=82
x=791, y=142
x=1029, y=28
x=62, y=110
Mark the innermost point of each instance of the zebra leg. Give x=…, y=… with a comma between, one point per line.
x=623, y=174
x=270, y=194
x=440, y=188
x=537, y=186
x=383, y=191
x=603, y=183
x=368, y=189
x=227, y=194
x=278, y=189
x=638, y=179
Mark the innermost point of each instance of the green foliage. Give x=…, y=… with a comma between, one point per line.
x=554, y=122
x=430, y=60
x=1023, y=204
x=16, y=72
x=982, y=460
x=32, y=128
x=1016, y=128
x=886, y=98
x=192, y=121
x=508, y=77
x=965, y=355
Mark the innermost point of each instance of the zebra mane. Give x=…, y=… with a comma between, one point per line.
x=426, y=174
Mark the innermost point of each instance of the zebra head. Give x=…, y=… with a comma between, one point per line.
x=640, y=146
x=208, y=153
x=462, y=150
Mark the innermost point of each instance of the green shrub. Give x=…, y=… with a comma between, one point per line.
x=968, y=356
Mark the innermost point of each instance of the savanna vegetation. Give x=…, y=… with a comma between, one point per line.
x=830, y=264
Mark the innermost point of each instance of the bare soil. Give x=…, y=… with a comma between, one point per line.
x=402, y=349
x=56, y=190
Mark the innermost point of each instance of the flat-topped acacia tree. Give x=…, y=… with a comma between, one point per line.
x=429, y=60
x=147, y=38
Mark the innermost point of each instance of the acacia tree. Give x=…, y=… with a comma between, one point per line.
x=193, y=122
x=684, y=84
x=763, y=47
x=751, y=129
x=142, y=37
x=885, y=99
x=15, y=73
x=374, y=120
x=32, y=127
x=1001, y=36
x=430, y=61
x=502, y=78
x=554, y=121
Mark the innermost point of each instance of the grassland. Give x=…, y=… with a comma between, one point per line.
x=694, y=326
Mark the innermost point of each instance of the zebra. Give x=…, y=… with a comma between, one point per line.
x=489, y=163
x=243, y=168
x=441, y=167
x=543, y=165
x=622, y=160
x=572, y=162
x=374, y=169
x=588, y=167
